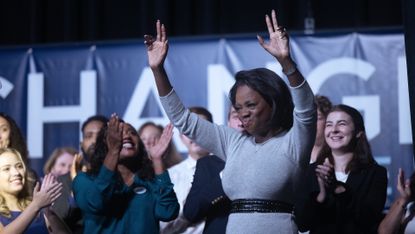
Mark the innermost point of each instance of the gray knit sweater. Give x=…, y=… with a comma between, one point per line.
x=268, y=170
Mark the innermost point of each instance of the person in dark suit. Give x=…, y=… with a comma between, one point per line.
x=206, y=199
x=347, y=188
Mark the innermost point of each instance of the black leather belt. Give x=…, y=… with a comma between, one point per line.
x=261, y=206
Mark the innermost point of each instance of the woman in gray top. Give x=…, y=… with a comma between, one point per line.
x=264, y=162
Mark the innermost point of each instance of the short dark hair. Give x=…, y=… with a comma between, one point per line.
x=98, y=118
x=323, y=104
x=273, y=90
x=202, y=111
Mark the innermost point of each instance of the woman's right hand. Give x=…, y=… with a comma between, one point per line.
x=48, y=192
x=76, y=165
x=325, y=173
x=325, y=178
x=114, y=135
x=158, y=148
x=403, y=187
x=157, y=48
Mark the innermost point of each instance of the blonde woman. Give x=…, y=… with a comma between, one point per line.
x=11, y=137
x=19, y=212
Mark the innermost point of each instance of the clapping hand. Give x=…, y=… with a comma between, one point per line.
x=158, y=147
x=114, y=135
x=325, y=178
x=325, y=173
x=48, y=192
x=403, y=186
x=76, y=165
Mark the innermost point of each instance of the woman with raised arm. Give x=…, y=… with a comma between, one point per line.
x=264, y=162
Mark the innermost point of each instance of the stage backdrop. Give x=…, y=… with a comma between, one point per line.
x=51, y=90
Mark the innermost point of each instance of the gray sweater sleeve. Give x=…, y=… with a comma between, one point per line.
x=217, y=139
x=303, y=132
x=210, y=136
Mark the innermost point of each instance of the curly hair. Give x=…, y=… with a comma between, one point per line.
x=17, y=140
x=24, y=196
x=273, y=90
x=362, y=153
x=141, y=163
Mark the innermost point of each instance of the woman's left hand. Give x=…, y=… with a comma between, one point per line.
x=157, y=47
x=404, y=187
x=325, y=173
x=76, y=165
x=45, y=194
x=157, y=148
x=278, y=45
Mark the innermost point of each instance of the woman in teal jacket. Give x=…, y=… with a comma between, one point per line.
x=127, y=189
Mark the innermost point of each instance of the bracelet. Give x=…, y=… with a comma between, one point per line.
x=291, y=71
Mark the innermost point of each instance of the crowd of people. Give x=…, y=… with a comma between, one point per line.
x=288, y=161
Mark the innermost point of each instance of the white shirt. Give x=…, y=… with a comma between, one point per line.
x=341, y=176
x=410, y=227
x=181, y=176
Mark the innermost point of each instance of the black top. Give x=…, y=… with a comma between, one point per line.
x=357, y=210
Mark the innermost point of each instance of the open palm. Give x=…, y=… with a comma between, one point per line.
x=157, y=48
x=278, y=39
x=159, y=147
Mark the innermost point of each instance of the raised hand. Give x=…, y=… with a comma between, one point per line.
x=76, y=165
x=278, y=45
x=157, y=148
x=403, y=186
x=157, y=48
x=114, y=134
x=47, y=193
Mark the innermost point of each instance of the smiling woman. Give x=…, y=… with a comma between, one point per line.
x=346, y=188
x=263, y=163
x=127, y=189
x=263, y=103
x=18, y=210
x=11, y=137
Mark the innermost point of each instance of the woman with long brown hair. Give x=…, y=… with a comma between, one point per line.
x=347, y=188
